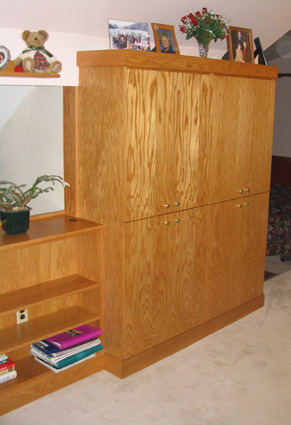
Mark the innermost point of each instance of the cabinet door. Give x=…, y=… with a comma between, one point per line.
x=249, y=247
x=185, y=268
x=240, y=137
x=165, y=145
x=164, y=278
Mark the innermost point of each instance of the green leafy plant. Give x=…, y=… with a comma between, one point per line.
x=13, y=197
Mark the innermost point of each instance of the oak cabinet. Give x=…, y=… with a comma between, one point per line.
x=173, y=156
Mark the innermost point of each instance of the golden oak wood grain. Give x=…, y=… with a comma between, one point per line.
x=48, y=229
x=26, y=333
x=70, y=118
x=177, y=63
x=44, y=292
x=148, y=137
x=125, y=367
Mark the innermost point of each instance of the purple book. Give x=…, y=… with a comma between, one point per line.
x=74, y=336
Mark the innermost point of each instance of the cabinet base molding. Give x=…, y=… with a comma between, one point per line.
x=35, y=381
x=126, y=367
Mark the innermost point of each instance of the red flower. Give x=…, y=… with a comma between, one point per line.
x=204, y=10
x=183, y=29
x=192, y=19
x=198, y=14
x=184, y=19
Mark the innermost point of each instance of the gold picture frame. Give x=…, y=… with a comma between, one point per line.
x=240, y=44
x=165, y=39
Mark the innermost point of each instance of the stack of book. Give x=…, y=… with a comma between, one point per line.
x=7, y=368
x=67, y=349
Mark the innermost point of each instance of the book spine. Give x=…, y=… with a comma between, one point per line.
x=8, y=365
x=4, y=372
x=8, y=376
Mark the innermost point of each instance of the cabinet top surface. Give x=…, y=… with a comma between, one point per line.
x=178, y=63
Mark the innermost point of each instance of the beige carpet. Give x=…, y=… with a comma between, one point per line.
x=240, y=375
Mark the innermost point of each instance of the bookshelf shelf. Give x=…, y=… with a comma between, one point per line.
x=55, y=271
x=47, y=228
x=9, y=72
x=14, y=337
x=44, y=292
x=34, y=380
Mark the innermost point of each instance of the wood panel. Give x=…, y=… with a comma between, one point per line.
x=102, y=117
x=165, y=147
x=26, y=333
x=249, y=247
x=71, y=135
x=126, y=367
x=178, y=63
x=165, y=278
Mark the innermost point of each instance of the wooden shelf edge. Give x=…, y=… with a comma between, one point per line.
x=35, y=380
x=9, y=72
x=47, y=229
x=44, y=292
x=177, y=63
x=15, y=337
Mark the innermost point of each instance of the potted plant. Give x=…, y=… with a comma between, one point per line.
x=14, y=199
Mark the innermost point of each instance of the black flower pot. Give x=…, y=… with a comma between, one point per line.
x=15, y=222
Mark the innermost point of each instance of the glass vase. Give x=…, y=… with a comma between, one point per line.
x=203, y=48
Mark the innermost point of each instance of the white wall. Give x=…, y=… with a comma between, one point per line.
x=31, y=140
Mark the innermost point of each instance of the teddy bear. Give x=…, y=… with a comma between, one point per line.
x=36, y=58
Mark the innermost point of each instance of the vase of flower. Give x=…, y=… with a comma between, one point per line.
x=204, y=26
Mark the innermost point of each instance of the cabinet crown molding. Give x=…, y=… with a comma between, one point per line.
x=178, y=63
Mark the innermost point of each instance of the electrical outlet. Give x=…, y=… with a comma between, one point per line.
x=22, y=316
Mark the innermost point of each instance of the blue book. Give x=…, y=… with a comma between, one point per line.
x=46, y=347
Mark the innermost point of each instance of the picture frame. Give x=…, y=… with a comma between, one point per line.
x=129, y=35
x=240, y=45
x=165, y=39
x=4, y=57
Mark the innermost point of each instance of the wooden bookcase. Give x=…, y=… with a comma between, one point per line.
x=173, y=156
x=54, y=271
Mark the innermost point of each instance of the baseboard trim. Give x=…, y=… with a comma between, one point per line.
x=125, y=367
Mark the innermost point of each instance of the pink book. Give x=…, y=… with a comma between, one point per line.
x=74, y=336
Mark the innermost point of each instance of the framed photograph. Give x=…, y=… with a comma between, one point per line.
x=240, y=44
x=165, y=39
x=129, y=35
x=4, y=57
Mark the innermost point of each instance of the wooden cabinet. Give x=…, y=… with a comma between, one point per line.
x=54, y=271
x=185, y=268
x=173, y=156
